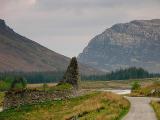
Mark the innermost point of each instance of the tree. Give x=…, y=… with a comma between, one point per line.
x=71, y=76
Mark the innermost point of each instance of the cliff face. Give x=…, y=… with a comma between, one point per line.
x=136, y=43
x=18, y=53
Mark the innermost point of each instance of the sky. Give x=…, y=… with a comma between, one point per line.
x=66, y=26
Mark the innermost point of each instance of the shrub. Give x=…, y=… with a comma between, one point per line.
x=63, y=86
x=6, y=84
x=135, y=86
x=18, y=83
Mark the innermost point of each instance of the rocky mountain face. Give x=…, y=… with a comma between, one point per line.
x=18, y=53
x=136, y=43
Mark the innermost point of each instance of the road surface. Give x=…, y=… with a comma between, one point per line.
x=140, y=109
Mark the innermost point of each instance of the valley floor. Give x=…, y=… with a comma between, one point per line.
x=99, y=106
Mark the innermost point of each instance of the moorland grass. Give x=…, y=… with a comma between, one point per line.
x=1, y=98
x=116, y=84
x=146, y=90
x=113, y=84
x=156, y=107
x=94, y=106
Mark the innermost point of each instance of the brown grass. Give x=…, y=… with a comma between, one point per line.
x=40, y=85
x=147, y=90
x=156, y=107
x=116, y=84
x=97, y=104
x=1, y=98
x=94, y=106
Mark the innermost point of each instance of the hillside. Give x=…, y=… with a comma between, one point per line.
x=18, y=53
x=136, y=43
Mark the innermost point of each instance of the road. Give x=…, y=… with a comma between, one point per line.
x=140, y=109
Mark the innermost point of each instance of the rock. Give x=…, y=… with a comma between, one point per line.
x=136, y=43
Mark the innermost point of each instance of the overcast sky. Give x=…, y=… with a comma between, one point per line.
x=66, y=26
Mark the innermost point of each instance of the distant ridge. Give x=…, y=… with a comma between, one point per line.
x=18, y=53
x=136, y=43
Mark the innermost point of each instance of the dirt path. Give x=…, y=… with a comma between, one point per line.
x=140, y=109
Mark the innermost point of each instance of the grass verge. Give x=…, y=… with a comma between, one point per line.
x=156, y=107
x=1, y=98
x=95, y=106
x=147, y=90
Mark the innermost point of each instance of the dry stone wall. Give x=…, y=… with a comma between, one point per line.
x=17, y=98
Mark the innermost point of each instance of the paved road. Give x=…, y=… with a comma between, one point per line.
x=140, y=109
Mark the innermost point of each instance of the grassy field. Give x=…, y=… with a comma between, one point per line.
x=95, y=106
x=113, y=84
x=40, y=85
x=116, y=84
x=156, y=107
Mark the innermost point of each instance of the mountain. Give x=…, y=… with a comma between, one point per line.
x=136, y=43
x=18, y=53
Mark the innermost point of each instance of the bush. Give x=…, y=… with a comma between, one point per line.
x=18, y=83
x=135, y=86
x=63, y=86
x=6, y=84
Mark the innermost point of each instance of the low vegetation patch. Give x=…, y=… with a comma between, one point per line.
x=1, y=98
x=64, y=86
x=12, y=83
x=5, y=85
x=99, y=106
x=116, y=84
x=156, y=107
x=149, y=90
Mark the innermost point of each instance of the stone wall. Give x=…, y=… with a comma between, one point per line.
x=22, y=97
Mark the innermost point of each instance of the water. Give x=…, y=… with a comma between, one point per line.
x=1, y=109
x=120, y=92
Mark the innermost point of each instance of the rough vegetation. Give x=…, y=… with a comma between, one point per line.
x=149, y=90
x=99, y=106
x=18, y=83
x=135, y=86
x=5, y=85
x=1, y=98
x=156, y=107
x=11, y=83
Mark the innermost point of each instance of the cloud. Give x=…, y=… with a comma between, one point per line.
x=72, y=22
